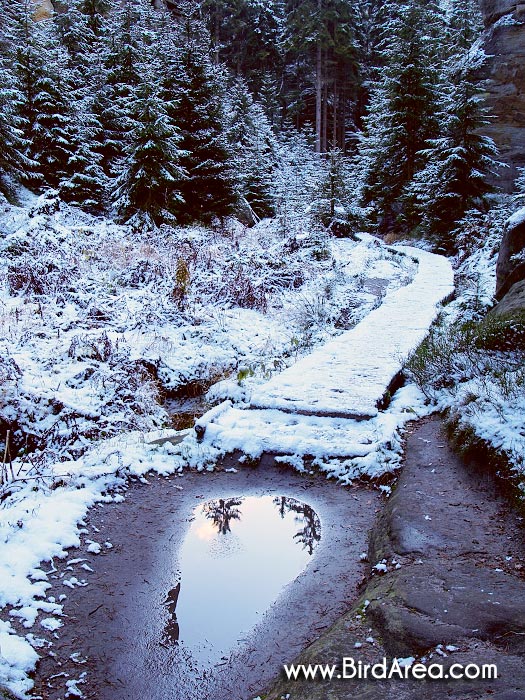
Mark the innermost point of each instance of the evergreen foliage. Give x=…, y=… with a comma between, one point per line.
x=208, y=191
x=461, y=161
x=253, y=145
x=147, y=190
x=330, y=206
x=249, y=108
x=401, y=116
x=14, y=161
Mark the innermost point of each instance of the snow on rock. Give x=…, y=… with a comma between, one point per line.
x=517, y=218
x=349, y=375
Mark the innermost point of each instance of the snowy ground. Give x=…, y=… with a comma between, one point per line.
x=99, y=325
x=347, y=377
x=325, y=407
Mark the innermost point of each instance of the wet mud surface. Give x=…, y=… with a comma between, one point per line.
x=117, y=627
x=452, y=589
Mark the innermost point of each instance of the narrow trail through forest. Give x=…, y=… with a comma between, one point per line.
x=328, y=404
x=454, y=554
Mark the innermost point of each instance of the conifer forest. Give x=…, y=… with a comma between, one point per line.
x=197, y=111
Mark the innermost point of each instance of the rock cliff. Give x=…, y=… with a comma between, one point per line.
x=504, y=76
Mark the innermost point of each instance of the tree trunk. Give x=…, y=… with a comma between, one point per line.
x=334, y=115
x=324, y=139
x=318, y=96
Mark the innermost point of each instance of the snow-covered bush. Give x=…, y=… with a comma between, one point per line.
x=29, y=276
x=490, y=351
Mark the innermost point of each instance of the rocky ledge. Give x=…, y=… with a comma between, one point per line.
x=446, y=585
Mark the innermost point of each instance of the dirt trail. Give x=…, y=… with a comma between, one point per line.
x=455, y=557
x=117, y=622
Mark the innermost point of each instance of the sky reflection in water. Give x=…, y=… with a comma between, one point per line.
x=238, y=555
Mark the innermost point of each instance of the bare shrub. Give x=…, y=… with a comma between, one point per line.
x=239, y=289
x=84, y=347
x=9, y=370
x=140, y=273
x=28, y=276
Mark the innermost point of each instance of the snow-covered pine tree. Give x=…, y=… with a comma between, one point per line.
x=86, y=183
x=253, y=146
x=96, y=12
x=297, y=177
x=14, y=162
x=462, y=161
x=370, y=19
x=147, y=190
x=401, y=115
x=329, y=207
x=40, y=67
x=52, y=136
x=209, y=190
x=268, y=98
x=121, y=56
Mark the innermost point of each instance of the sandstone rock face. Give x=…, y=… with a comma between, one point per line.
x=504, y=78
x=44, y=9
x=492, y=10
x=512, y=302
x=510, y=267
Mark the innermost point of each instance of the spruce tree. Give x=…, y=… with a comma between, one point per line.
x=14, y=162
x=329, y=207
x=147, y=189
x=121, y=59
x=462, y=161
x=40, y=68
x=253, y=146
x=96, y=12
x=297, y=177
x=51, y=134
x=86, y=184
x=401, y=116
x=208, y=191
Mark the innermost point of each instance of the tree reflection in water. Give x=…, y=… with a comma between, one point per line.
x=221, y=512
x=172, y=631
x=310, y=534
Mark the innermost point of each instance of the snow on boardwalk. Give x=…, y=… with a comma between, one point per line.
x=325, y=406
x=348, y=376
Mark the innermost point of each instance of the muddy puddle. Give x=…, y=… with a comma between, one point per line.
x=207, y=585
